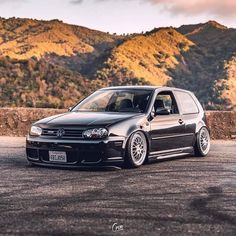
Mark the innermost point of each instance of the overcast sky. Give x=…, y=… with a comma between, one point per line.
x=124, y=16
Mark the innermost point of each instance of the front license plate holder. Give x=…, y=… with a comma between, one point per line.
x=56, y=156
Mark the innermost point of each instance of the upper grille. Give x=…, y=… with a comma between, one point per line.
x=68, y=133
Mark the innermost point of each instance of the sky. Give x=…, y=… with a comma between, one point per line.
x=123, y=16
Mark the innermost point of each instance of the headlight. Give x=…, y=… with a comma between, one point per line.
x=95, y=133
x=35, y=131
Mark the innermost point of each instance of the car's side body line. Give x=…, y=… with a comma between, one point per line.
x=171, y=136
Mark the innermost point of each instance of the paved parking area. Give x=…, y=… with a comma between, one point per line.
x=177, y=197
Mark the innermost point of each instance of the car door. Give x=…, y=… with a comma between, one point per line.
x=167, y=130
x=190, y=112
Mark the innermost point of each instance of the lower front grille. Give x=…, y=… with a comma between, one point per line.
x=76, y=153
x=32, y=154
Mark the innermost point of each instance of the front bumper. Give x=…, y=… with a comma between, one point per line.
x=109, y=152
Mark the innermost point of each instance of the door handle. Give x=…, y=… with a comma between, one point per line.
x=181, y=121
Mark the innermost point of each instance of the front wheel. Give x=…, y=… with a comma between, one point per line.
x=136, y=150
x=202, y=145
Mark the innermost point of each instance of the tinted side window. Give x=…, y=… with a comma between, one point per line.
x=166, y=100
x=187, y=103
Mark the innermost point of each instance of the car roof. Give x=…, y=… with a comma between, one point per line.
x=144, y=87
x=131, y=87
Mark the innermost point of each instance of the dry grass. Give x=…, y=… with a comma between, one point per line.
x=199, y=57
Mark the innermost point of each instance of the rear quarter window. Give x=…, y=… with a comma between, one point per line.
x=187, y=103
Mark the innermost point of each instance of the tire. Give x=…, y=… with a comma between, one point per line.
x=136, y=151
x=202, y=145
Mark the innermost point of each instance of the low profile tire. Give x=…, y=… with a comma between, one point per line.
x=136, y=150
x=202, y=145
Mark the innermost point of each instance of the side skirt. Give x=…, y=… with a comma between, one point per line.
x=170, y=153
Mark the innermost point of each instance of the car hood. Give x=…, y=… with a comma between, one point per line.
x=86, y=119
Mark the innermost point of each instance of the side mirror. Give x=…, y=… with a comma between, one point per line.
x=70, y=109
x=161, y=112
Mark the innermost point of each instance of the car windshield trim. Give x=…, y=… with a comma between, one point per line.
x=139, y=112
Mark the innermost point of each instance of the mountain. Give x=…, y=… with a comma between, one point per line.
x=26, y=38
x=212, y=63
x=53, y=64
x=40, y=61
x=148, y=56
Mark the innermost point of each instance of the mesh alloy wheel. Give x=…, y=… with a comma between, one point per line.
x=136, y=150
x=202, y=146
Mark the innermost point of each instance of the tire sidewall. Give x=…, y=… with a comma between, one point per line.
x=128, y=158
x=198, y=149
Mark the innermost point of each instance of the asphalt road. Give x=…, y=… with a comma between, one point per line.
x=177, y=197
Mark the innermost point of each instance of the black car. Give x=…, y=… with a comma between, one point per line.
x=127, y=125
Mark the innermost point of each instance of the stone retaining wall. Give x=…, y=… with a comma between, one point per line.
x=17, y=121
x=222, y=124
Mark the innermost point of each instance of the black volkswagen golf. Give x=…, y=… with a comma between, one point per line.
x=127, y=125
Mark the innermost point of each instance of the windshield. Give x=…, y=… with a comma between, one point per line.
x=116, y=101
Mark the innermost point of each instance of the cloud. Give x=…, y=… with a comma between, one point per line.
x=222, y=8
x=76, y=1
x=11, y=1
x=3, y=1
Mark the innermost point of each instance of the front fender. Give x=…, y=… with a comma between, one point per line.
x=146, y=136
x=128, y=127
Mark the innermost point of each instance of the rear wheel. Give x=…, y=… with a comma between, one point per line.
x=202, y=145
x=136, y=150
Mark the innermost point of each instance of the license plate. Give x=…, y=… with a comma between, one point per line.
x=57, y=156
